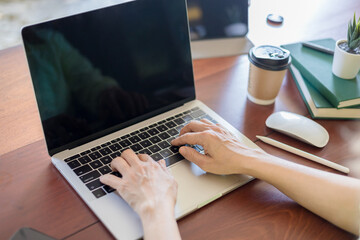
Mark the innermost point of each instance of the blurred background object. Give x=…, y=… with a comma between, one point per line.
x=14, y=14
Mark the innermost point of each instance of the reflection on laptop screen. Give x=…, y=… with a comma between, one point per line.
x=109, y=68
x=211, y=19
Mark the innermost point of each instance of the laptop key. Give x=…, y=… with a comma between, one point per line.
x=146, y=143
x=174, y=149
x=85, y=152
x=144, y=129
x=115, y=147
x=197, y=114
x=156, y=157
x=108, y=189
x=134, y=139
x=95, y=155
x=84, y=159
x=164, y=144
x=145, y=151
x=106, y=160
x=166, y=153
x=173, y=132
x=153, y=131
x=95, y=148
x=134, y=133
x=106, y=144
x=105, y=170
x=187, y=118
x=72, y=158
x=164, y=135
x=125, y=136
x=74, y=164
x=136, y=147
x=115, y=154
x=90, y=176
x=105, y=151
x=153, y=125
x=94, y=184
x=82, y=170
x=155, y=139
x=162, y=128
x=170, y=124
x=173, y=159
x=144, y=135
x=99, y=193
x=125, y=143
x=96, y=164
x=179, y=121
x=154, y=148
x=117, y=174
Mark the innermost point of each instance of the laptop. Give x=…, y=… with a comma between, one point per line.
x=116, y=78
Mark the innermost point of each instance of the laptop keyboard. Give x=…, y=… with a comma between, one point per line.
x=153, y=140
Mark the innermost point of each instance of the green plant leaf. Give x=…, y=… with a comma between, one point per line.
x=353, y=35
x=354, y=23
x=355, y=44
x=349, y=32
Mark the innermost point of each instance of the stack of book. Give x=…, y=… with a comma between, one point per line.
x=325, y=95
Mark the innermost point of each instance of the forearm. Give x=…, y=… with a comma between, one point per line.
x=160, y=225
x=334, y=197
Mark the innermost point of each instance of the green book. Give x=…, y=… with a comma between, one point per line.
x=319, y=106
x=316, y=67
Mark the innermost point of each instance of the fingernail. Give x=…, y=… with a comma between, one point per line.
x=182, y=150
x=102, y=178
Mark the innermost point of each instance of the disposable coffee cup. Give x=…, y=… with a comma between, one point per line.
x=268, y=66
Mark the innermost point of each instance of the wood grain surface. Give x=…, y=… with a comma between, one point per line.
x=34, y=194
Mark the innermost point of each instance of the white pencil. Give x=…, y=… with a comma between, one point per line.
x=304, y=154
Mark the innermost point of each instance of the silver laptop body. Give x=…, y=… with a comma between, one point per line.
x=72, y=139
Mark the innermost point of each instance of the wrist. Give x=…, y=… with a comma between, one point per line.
x=160, y=223
x=252, y=162
x=156, y=212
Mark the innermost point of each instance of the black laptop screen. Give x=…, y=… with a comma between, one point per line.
x=103, y=70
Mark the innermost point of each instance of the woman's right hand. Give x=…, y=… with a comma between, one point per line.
x=224, y=153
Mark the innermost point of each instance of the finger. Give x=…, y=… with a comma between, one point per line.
x=162, y=163
x=215, y=127
x=207, y=121
x=144, y=157
x=111, y=180
x=130, y=157
x=189, y=138
x=194, y=156
x=119, y=164
x=194, y=126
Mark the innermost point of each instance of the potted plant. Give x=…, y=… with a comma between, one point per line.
x=346, y=62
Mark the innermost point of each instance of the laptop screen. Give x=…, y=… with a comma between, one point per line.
x=100, y=71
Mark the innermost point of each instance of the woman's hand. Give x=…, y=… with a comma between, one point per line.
x=224, y=153
x=150, y=190
x=145, y=184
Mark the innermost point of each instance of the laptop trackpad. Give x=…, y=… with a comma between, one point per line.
x=196, y=187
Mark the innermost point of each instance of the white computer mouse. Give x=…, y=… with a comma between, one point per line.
x=299, y=127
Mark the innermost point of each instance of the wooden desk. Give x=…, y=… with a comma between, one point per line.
x=34, y=194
